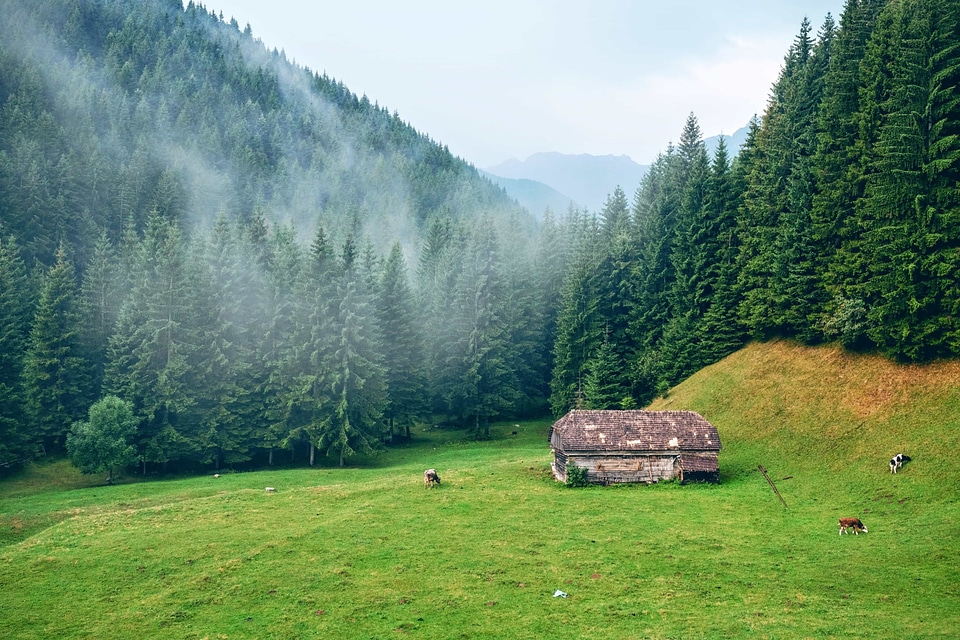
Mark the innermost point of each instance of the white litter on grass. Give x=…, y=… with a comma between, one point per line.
x=559, y=594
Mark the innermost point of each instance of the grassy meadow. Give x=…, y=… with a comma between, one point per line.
x=367, y=552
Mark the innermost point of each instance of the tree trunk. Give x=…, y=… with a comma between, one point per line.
x=312, y=453
x=270, y=458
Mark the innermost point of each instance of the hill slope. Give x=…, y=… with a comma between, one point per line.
x=534, y=196
x=111, y=110
x=813, y=407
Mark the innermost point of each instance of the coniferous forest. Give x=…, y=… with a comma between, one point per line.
x=258, y=263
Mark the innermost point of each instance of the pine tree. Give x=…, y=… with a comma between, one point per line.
x=230, y=298
x=310, y=401
x=910, y=199
x=602, y=388
x=153, y=354
x=16, y=310
x=278, y=352
x=101, y=295
x=658, y=215
x=680, y=352
x=615, y=214
x=840, y=156
x=796, y=288
x=486, y=385
x=357, y=374
x=579, y=330
x=720, y=332
x=403, y=347
x=767, y=196
x=55, y=373
x=438, y=269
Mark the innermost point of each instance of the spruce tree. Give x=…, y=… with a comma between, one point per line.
x=579, y=330
x=840, y=157
x=278, y=352
x=55, y=373
x=486, y=386
x=153, y=355
x=403, y=347
x=720, y=332
x=16, y=310
x=357, y=375
x=602, y=388
x=101, y=295
x=308, y=377
x=910, y=199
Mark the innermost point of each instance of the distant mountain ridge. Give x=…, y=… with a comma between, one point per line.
x=734, y=142
x=558, y=180
x=586, y=179
x=536, y=197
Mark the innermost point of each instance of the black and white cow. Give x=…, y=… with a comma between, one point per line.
x=897, y=461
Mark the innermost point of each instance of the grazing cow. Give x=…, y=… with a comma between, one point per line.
x=430, y=478
x=852, y=523
x=897, y=461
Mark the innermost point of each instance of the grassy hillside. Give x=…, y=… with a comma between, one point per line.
x=369, y=553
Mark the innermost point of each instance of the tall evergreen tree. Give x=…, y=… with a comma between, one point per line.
x=679, y=349
x=720, y=332
x=601, y=385
x=278, y=352
x=55, y=373
x=840, y=156
x=579, y=329
x=309, y=404
x=486, y=385
x=154, y=353
x=101, y=295
x=355, y=367
x=16, y=311
x=911, y=210
x=403, y=347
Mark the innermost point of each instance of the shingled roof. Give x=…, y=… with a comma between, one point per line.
x=590, y=430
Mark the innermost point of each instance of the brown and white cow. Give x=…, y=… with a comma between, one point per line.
x=430, y=478
x=852, y=523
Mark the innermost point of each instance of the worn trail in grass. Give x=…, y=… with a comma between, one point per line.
x=369, y=553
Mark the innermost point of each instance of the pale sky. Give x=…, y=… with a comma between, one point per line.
x=499, y=79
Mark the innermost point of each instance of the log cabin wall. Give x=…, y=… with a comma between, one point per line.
x=610, y=469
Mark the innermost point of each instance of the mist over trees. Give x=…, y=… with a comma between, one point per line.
x=259, y=263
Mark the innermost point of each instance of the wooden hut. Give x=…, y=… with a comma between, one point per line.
x=635, y=446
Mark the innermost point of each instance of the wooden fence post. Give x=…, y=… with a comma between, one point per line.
x=772, y=486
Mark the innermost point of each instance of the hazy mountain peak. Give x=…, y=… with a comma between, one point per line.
x=584, y=178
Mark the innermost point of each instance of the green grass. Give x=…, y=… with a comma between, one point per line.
x=367, y=552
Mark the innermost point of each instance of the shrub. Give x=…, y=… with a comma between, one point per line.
x=576, y=476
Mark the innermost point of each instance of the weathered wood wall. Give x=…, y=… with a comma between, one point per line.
x=607, y=469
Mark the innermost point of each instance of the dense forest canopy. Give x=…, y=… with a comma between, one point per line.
x=253, y=259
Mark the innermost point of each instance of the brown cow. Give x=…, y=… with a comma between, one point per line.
x=430, y=478
x=852, y=523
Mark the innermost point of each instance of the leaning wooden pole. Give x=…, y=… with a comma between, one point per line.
x=772, y=486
